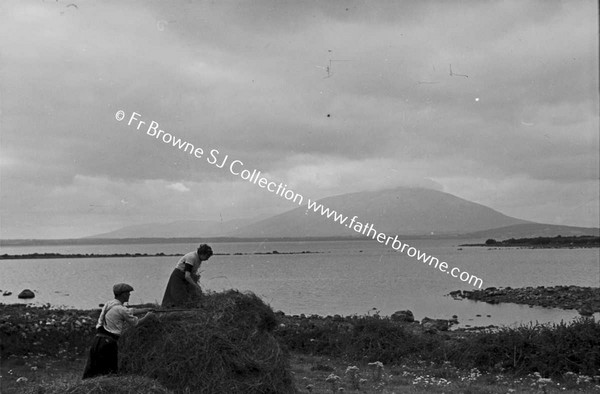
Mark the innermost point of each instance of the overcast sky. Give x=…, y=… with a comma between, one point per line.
x=515, y=127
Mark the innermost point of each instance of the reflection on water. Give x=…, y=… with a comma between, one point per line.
x=346, y=278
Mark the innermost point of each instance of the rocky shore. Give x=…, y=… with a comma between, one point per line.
x=27, y=329
x=586, y=300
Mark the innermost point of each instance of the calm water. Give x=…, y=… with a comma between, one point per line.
x=358, y=277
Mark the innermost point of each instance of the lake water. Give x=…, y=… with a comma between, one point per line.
x=345, y=277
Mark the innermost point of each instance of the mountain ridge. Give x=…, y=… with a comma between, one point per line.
x=177, y=229
x=406, y=212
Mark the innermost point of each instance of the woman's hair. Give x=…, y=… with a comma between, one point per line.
x=205, y=249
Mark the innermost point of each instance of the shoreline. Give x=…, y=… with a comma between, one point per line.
x=586, y=300
x=558, y=242
x=577, y=300
x=31, y=256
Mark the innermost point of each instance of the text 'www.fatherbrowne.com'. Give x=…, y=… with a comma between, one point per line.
x=369, y=230
x=237, y=168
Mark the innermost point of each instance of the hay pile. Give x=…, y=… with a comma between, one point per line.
x=110, y=384
x=224, y=346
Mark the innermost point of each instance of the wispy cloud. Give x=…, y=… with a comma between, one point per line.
x=180, y=187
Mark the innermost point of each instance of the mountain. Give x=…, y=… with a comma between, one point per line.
x=402, y=211
x=178, y=229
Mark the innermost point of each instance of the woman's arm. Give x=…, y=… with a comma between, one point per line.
x=188, y=277
x=196, y=277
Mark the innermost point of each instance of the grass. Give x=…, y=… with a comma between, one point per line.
x=312, y=372
x=549, y=349
x=561, y=357
x=224, y=346
x=417, y=377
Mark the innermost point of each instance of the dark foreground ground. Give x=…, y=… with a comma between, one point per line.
x=20, y=374
x=367, y=354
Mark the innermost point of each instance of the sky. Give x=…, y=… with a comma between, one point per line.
x=495, y=102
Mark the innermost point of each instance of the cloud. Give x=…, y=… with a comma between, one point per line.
x=536, y=200
x=180, y=187
x=324, y=176
x=258, y=92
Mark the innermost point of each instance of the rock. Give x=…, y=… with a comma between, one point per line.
x=432, y=325
x=403, y=316
x=26, y=294
x=7, y=293
x=586, y=310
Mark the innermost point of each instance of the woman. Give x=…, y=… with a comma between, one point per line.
x=183, y=288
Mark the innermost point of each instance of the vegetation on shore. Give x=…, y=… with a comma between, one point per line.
x=549, y=349
x=357, y=353
x=582, y=241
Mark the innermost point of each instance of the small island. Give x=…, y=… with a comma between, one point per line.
x=586, y=300
x=582, y=241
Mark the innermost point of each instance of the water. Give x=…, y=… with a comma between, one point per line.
x=346, y=278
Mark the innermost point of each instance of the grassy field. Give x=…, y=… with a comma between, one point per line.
x=311, y=376
x=44, y=350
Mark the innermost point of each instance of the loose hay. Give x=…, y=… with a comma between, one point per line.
x=224, y=346
x=111, y=384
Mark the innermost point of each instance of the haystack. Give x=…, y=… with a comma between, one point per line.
x=225, y=345
x=110, y=384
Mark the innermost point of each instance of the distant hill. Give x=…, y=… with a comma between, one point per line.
x=178, y=229
x=403, y=211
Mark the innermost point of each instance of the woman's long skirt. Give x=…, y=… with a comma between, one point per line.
x=179, y=292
